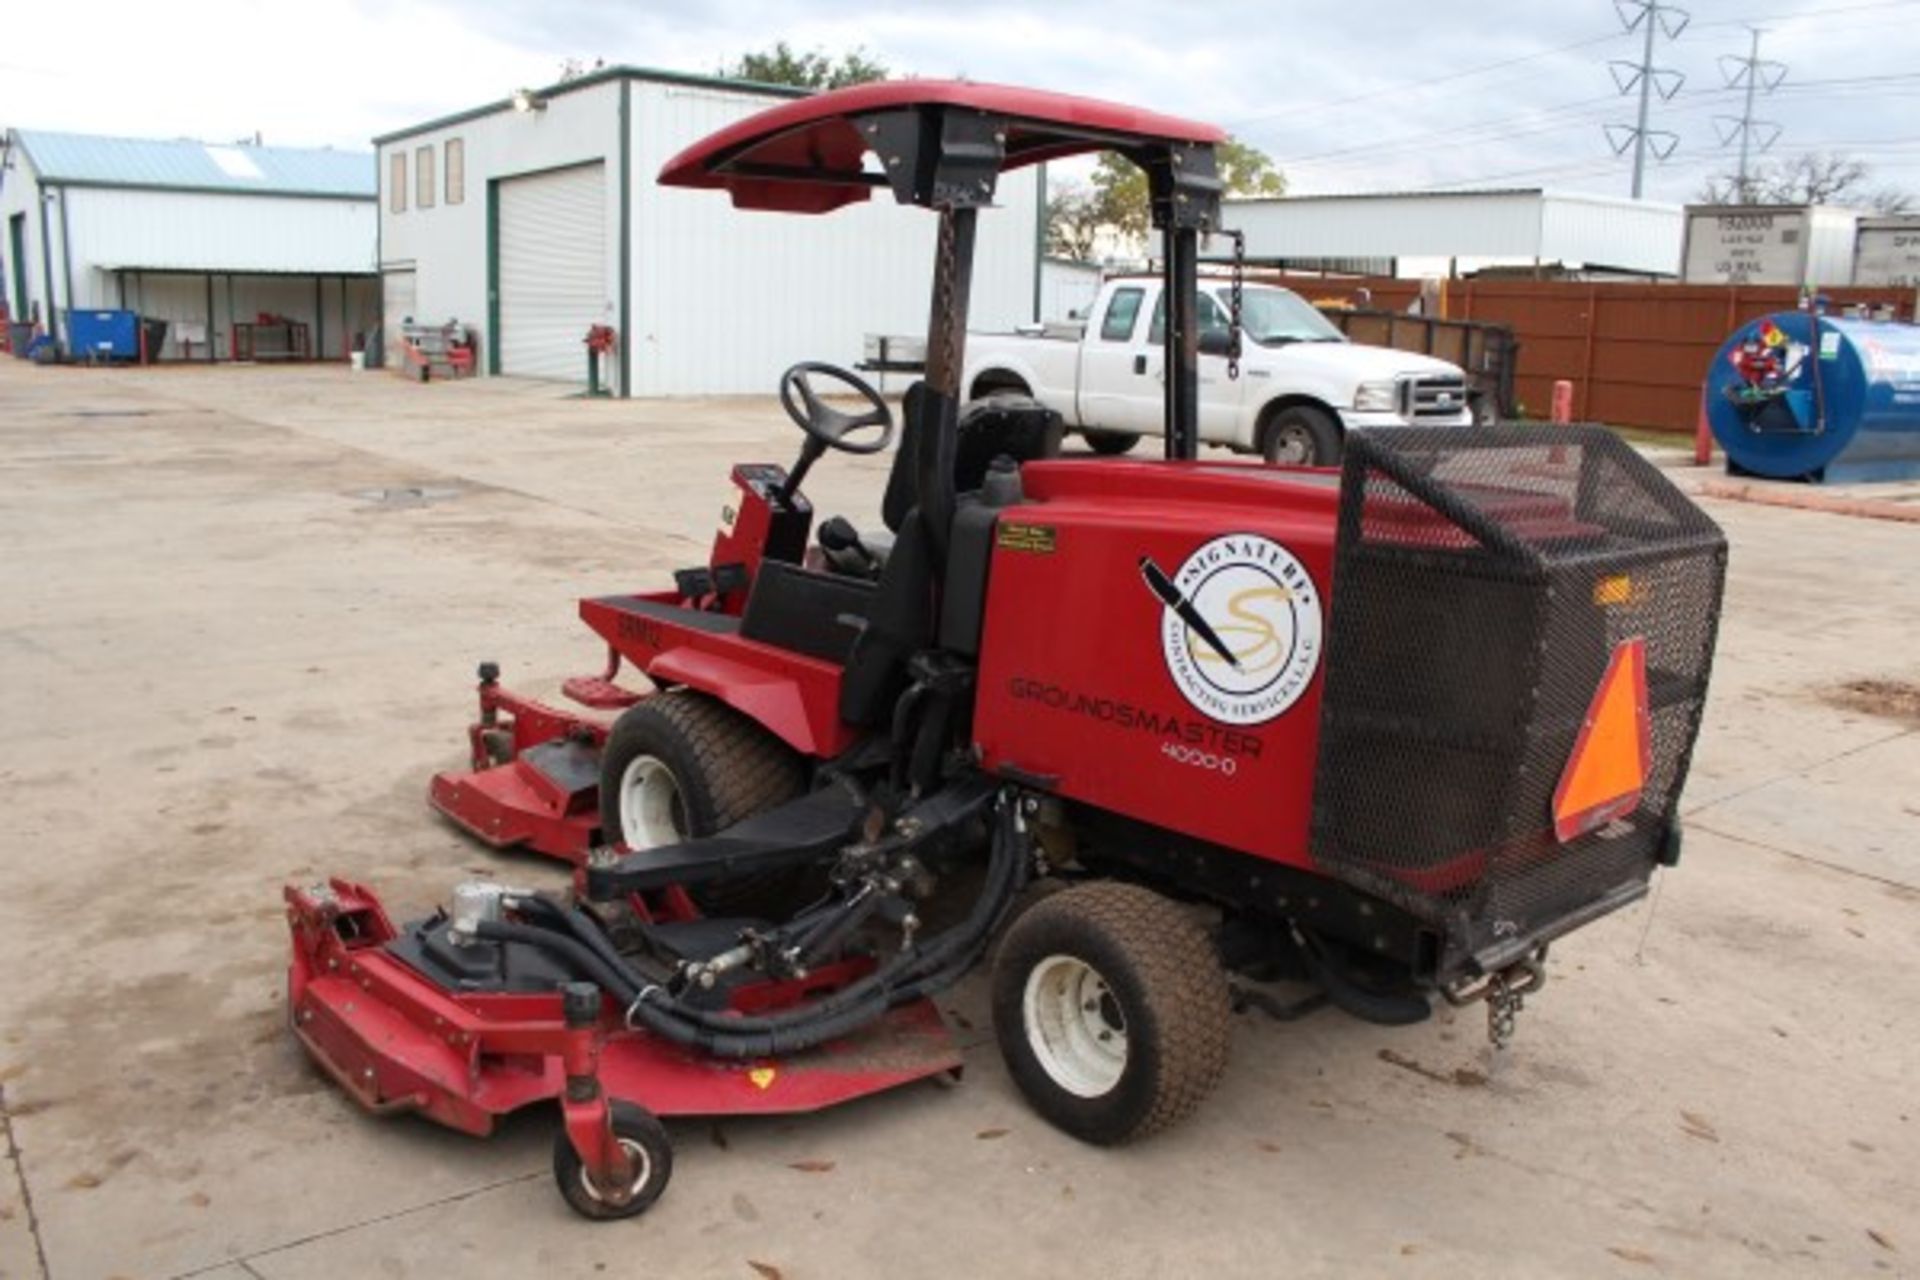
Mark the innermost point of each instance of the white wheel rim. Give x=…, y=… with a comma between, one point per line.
x=642, y=1170
x=650, y=806
x=1074, y=1026
x=1294, y=445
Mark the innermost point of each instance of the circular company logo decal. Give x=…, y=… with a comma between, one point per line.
x=1241, y=627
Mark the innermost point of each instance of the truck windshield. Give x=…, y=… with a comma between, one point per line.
x=1272, y=316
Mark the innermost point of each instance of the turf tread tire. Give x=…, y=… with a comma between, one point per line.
x=1177, y=1004
x=1110, y=444
x=727, y=768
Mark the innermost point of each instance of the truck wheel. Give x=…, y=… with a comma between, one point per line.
x=681, y=764
x=1301, y=436
x=1111, y=1010
x=1110, y=444
x=647, y=1145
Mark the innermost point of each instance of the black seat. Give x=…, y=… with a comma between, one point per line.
x=818, y=614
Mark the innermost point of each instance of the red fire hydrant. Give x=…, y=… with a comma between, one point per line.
x=600, y=340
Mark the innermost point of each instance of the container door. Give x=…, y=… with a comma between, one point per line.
x=553, y=275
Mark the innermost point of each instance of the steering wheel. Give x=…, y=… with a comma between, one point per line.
x=829, y=426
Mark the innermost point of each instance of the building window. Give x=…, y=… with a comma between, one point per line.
x=456, y=170
x=397, y=182
x=423, y=177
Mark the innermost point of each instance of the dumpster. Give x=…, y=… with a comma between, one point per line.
x=103, y=335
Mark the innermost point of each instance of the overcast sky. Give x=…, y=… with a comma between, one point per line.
x=1346, y=95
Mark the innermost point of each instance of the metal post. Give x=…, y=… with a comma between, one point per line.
x=1181, y=358
x=946, y=358
x=1646, y=94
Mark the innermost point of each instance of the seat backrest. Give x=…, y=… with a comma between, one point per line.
x=899, y=498
x=899, y=625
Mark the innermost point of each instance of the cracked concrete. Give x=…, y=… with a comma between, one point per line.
x=223, y=670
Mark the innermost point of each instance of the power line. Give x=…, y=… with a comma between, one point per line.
x=1807, y=13
x=1657, y=18
x=1415, y=86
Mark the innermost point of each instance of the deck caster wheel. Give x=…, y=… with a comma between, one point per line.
x=1111, y=1010
x=645, y=1139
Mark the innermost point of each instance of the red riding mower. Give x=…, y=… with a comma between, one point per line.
x=1390, y=729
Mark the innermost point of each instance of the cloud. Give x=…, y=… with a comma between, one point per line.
x=1345, y=94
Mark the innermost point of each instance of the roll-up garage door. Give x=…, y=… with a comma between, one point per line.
x=553, y=270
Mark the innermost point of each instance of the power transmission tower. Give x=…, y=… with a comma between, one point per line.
x=1755, y=76
x=1655, y=17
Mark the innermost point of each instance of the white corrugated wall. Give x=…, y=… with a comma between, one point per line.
x=193, y=231
x=724, y=299
x=1067, y=289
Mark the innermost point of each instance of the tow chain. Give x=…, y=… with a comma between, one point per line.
x=946, y=254
x=1233, y=304
x=1503, y=1006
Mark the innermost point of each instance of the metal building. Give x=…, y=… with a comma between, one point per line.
x=207, y=237
x=1439, y=233
x=530, y=219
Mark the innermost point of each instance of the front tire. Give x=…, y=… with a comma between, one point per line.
x=680, y=765
x=1111, y=1011
x=647, y=1145
x=1110, y=444
x=1301, y=436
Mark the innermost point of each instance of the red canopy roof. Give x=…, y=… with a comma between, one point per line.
x=816, y=137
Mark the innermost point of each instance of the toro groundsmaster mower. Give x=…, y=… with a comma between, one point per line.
x=1158, y=731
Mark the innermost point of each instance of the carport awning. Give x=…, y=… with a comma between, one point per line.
x=216, y=269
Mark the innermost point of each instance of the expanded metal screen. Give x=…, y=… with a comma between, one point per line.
x=1483, y=577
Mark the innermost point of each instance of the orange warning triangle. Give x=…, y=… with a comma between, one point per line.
x=1611, y=758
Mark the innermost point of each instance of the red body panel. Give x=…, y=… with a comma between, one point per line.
x=795, y=697
x=1080, y=690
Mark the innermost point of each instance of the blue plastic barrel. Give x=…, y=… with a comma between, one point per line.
x=1800, y=396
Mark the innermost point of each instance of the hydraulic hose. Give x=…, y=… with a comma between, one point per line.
x=576, y=940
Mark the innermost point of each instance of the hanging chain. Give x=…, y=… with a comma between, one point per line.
x=946, y=253
x=1233, y=303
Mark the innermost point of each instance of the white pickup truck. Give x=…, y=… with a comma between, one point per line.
x=1301, y=382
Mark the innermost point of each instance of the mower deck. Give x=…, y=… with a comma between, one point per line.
x=397, y=1041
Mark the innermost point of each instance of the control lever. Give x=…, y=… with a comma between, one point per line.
x=838, y=536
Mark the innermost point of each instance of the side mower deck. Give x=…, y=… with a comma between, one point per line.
x=397, y=1041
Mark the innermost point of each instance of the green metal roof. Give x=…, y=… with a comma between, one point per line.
x=183, y=165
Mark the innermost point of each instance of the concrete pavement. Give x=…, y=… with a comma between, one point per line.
x=239, y=613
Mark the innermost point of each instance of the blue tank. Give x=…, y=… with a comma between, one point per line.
x=1801, y=396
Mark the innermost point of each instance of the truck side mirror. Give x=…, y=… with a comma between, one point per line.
x=1216, y=342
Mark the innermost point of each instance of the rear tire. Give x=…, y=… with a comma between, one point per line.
x=1301, y=436
x=680, y=765
x=1111, y=1010
x=647, y=1144
x=1110, y=444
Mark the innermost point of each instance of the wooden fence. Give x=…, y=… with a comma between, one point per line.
x=1635, y=353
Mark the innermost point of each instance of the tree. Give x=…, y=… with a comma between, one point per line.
x=810, y=70
x=1073, y=221
x=1812, y=177
x=1119, y=201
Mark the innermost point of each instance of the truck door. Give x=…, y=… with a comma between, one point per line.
x=1110, y=376
x=1145, y=410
